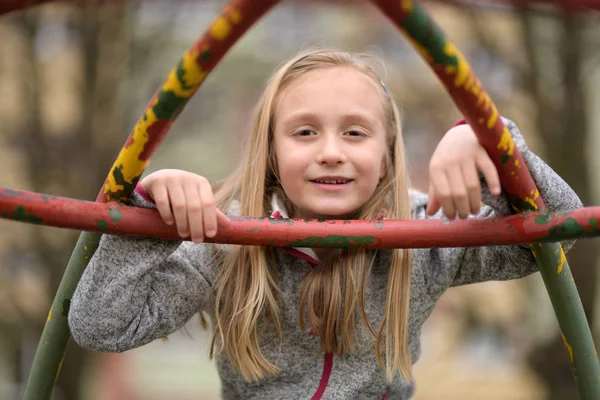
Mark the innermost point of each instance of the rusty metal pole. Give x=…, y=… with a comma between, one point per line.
x=118, y=219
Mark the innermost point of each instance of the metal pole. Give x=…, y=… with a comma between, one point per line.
x=115, y=218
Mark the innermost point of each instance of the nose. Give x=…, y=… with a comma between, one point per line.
x=332, y=151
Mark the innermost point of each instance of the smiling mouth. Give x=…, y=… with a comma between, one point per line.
x=332, y=182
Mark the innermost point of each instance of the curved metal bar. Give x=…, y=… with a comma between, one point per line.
x=7, y=6
x=116, y=218
x=467, y=92
x=165, y=106
x=180, y=86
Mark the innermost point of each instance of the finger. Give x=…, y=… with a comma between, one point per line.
x=471, y=177
x=490, y=173
x=442, y=192
x=161, y=198
x=458, y=189
x=194, y=212
x=433, y=205
x=209, y=210
x=223, y=220
x=178, y=204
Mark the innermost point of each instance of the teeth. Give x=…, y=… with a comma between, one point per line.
x=331, y=182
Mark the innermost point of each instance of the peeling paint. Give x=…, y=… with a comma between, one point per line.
x=102, y=225
x=129, y=166
x=115, y=214
x=535, y=194
x=283, y=221
x=544, y=219
x=338, y=240
x=220, y=29
x=184, y=80
x=570, y=226
x=561, y=262
x=506, y=143
x=21, y=214
x=569, y=348
x=493, y=118
x=462, y=68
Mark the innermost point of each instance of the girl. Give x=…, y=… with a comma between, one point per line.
x=303, y=323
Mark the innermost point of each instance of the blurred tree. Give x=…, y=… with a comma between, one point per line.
x=73, y=62
x=562, y=119
x=550, y=70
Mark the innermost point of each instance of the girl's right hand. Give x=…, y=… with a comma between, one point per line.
x=187, y=200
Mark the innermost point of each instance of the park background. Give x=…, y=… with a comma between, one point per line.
x=75, y=78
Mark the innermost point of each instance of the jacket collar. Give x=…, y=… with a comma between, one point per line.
x=279, y=212
x=305, y=253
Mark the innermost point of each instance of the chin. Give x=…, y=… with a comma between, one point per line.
x=334, y=213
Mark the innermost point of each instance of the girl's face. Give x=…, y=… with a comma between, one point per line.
x=330, y=142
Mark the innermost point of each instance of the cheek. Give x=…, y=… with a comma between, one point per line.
x=289, y=163
x=374, y=163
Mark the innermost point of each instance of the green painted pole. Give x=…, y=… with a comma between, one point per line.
x=55, y=336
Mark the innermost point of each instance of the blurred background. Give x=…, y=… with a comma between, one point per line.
x=74, y=80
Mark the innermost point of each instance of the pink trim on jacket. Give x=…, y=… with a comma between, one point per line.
x=141, y=190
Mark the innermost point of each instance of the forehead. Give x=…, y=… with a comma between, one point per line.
x=336, y=89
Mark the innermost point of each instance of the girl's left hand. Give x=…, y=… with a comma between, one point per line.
x=454, y=174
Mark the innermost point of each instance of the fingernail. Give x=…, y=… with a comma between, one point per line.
x=211, y=233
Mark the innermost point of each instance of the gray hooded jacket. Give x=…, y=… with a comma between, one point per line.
x=137, y=290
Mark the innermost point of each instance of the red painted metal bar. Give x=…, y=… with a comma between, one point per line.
x=181, y=84
x=115, y=218
x=467, y=92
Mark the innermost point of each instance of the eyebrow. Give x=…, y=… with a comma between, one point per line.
x=301, y=116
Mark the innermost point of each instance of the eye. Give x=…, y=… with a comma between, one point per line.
x=303, y=132
x=356, y=133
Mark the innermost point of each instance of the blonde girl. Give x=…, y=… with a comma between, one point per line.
x=306, y=323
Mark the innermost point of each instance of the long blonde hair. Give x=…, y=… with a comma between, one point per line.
x=333, y=292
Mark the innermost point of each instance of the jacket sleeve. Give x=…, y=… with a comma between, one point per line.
x=136, y=290
x=458, y=266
